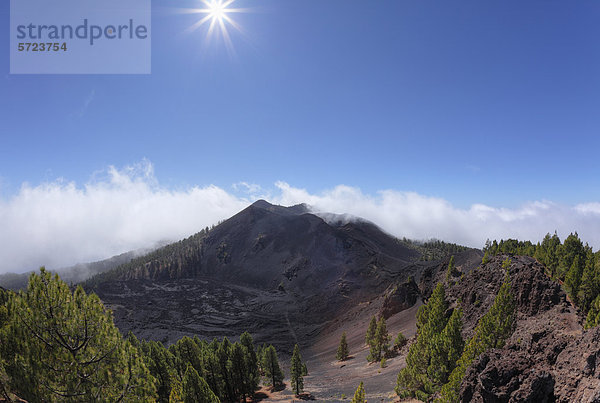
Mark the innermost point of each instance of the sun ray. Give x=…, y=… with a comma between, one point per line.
x=226, y=37
x=211, y=28
x=232, y=23
x=216, y=15
x=198, y=24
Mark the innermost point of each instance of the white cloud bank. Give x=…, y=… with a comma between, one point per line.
x=59, y=223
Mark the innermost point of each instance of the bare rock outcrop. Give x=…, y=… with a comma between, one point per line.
x=399, y=298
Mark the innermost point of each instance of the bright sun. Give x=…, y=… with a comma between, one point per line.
x=216, y=15
x=217, y=9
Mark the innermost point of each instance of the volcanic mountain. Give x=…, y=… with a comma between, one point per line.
x=281, y=272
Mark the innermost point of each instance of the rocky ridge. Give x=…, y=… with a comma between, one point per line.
x=548, y=358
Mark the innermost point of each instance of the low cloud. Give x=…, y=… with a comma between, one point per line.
x=415, y=216
x=60, y=223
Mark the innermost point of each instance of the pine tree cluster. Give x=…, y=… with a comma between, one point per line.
x=432, y=357
x=571, y=262
x=58, y=344
x=437, y=360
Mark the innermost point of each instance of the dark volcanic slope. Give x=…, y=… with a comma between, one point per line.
x=265, y=244
x=282, y=272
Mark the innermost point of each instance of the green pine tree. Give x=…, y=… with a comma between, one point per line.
x=297, y=379
x=590, y=282
x=161, y=364
x=548, y=253
x=238, y=371
x=271, y=367
x=429, y=358
x=437, y=307
x=573, y=279
x=571, y=248
x=223, y=354
x=360, y=396
x=445, y=350
x=381, y=345
x=342, y=351
x=176, y=394
x=195, y=388
x=251, y=361
x=454, y=343
x=486, y=258
x=212, y=369
x=400, y=341
x=593, y=316
x=371, y=331
x=187, y=352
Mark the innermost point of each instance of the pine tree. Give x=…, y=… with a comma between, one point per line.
x=383, y=337
x=381, y=346
x=238, y=371
x=271, y=367
x=445, y=350
x=593, y=316
x=161, y=364
x=486, y=258
x=296, y=371
x=431, y=358
x=223, y=354
x=548, y=253
x=571, y=248
x=84, y=355
x=590, y=284
x=212, y=369
x=371, y=331
x=187, y=352
x=360, y=395
x=437, y=307
x=176, y=394
x=400, y=341
x=195, y=388
x=260, y=353
x=251, y=359
x=342, y=351
x=573, y=279
x=454, y=343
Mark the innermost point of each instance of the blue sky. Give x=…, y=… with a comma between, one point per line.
x=491, y=102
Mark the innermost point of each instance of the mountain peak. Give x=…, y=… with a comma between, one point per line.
x=273, y=208
x=262, y=204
